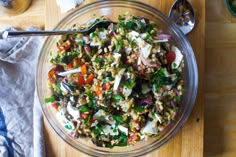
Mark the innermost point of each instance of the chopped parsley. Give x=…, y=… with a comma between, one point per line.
x=129, y=84
x=117, y=98
x=84, y=109
x=94, y=35
x=139, y=109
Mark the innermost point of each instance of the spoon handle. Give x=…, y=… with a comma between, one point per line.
x=182, y=1
x=7, y=34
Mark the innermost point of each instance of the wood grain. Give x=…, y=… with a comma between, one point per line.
x=220, y=108
x=189, y=141
x=33, y=16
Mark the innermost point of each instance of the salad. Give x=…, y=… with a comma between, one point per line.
x=118, y=84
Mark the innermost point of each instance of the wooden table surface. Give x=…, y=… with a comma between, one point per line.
x=189, y=141
x=220, y=93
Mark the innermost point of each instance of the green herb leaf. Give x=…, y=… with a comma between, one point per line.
x=148, y=36
x=80, y=42
x=50, y=99
x=101, y=29
x=139, y=109
x=129, y=84
x=97, y=60
x=122, y=138
x=117, y=98
x=159, y=79
x=177, y=98
x=94, y=35
x=87, y=120
x=68, y=126
x=56, y=60
x=120, y=18
x=107, y=79
x=84, y=109
x=119, y=119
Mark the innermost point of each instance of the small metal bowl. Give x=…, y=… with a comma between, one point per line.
x=229, y=7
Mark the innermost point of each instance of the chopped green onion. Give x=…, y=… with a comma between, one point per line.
x=50, y=99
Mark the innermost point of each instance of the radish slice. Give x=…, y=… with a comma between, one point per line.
x=164, y=36
x=160, y=41
x=65, y=73
x=146, y=50
x=147, y=61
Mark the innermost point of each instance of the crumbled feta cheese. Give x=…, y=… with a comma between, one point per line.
x=150, y=127
x=102, y=35
x=108, y=130
x=126, y=91
x=73, y=111
x=118, y=79
x=178, y=58
x=123, y=129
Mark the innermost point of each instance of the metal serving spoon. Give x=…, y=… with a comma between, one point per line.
x=91, y=28
x=182, y=14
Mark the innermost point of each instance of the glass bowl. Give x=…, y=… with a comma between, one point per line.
x=112, y=9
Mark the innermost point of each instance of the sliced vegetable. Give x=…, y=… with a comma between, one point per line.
x=84, y=115
x=107, y=86
x=170, y=57
x=84, y=109
x=65, y=73
x=50, y=99
x=83, y=69
x=89, y=79
x=52, y=75
x=145, y=102
x=98, y=90
x=80, y=82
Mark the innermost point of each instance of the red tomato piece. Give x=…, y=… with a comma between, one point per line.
x=107, y=86
x=81, y=80
x=84, y=115
x=170, y=57
x=70, y=65
x=89, y=79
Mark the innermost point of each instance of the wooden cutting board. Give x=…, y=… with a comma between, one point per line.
x=189, y=141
